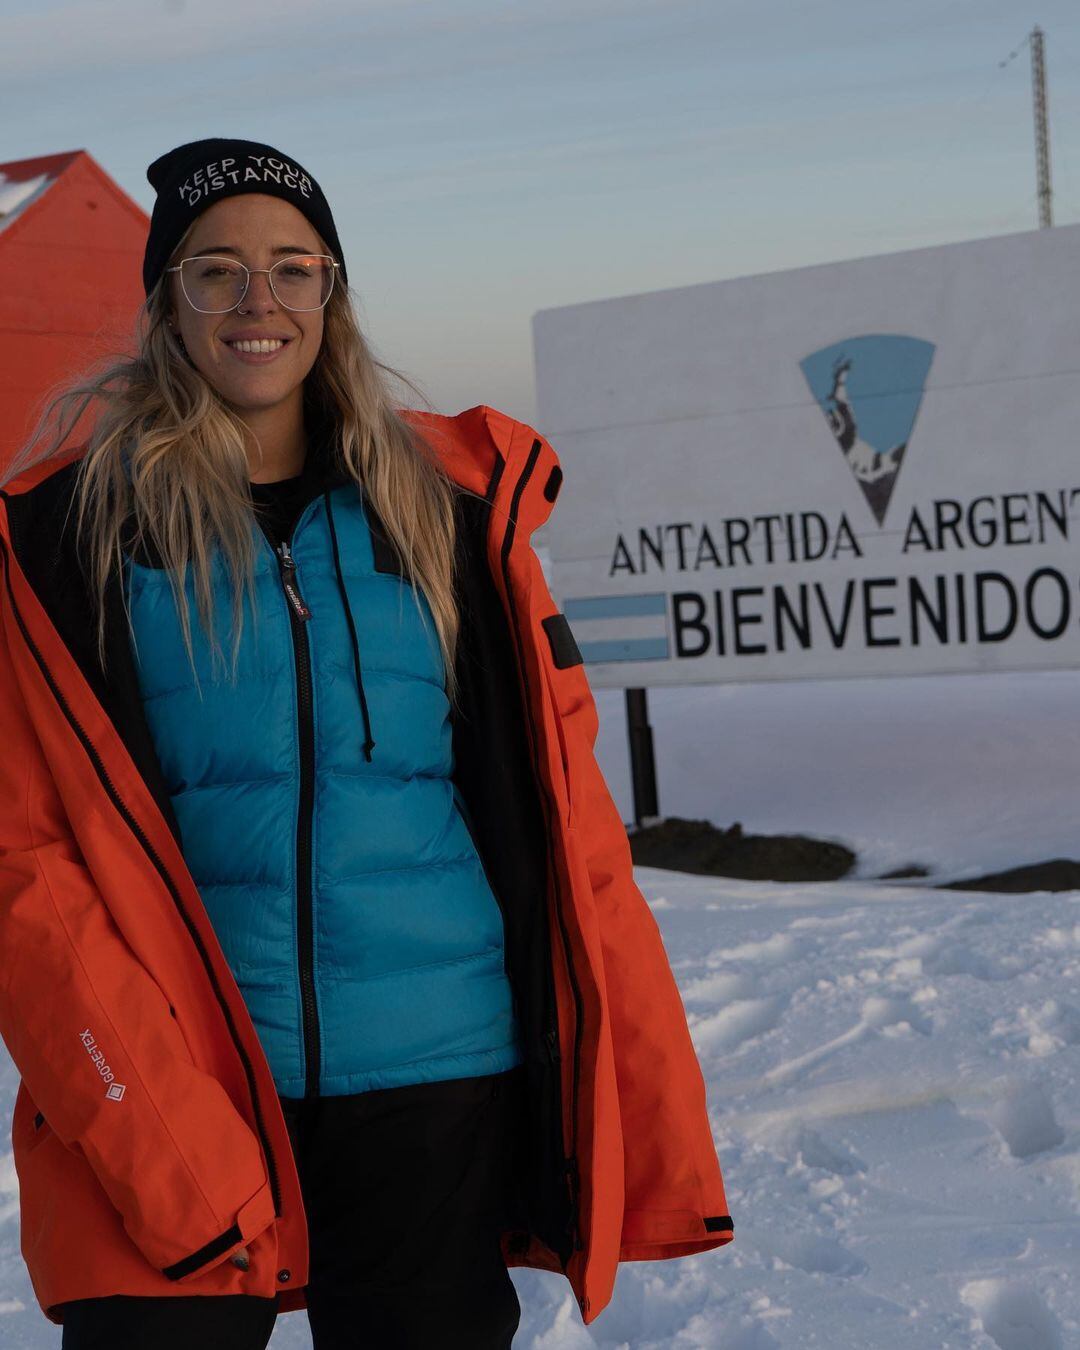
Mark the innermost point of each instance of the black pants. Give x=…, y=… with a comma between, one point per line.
x=406, y=1191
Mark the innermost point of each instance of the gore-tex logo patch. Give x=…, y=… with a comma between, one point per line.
x=114, y=1091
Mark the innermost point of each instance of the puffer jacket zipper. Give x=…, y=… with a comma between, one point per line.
x=299, y=614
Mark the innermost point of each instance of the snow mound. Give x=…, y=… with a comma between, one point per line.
x=1013, y=1316
x=1025, y=1119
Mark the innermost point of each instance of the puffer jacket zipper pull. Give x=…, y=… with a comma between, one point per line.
x=369, y=741
x=288, y=580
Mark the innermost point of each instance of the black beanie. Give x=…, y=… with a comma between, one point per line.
x=194, y=176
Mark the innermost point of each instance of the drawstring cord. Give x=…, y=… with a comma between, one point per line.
x=369, y=744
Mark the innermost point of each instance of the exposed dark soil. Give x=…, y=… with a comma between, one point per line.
x=1059, y=874
x=699, y=846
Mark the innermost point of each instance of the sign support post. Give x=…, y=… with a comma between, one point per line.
x=642, y=760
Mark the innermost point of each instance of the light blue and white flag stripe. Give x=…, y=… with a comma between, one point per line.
x=619, y=627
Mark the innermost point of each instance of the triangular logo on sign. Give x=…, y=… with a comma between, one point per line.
x=870, y=389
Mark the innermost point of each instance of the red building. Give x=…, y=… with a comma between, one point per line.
x=71, y=247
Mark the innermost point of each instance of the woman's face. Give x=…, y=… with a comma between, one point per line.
x=257, y=230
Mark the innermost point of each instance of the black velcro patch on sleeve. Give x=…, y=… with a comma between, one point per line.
x=564, y=648
x=553, y=484
x=719, y=1223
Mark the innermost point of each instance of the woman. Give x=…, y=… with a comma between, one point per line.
x=326, y=975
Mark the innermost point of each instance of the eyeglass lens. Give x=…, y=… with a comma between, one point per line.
x=216, y=285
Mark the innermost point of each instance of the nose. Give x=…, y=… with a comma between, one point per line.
x=259, y=296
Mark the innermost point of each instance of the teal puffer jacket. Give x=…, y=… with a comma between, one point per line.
x=318, y=814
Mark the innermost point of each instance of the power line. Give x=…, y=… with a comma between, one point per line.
x=1014, y=54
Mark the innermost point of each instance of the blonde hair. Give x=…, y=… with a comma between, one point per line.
x=189, y=479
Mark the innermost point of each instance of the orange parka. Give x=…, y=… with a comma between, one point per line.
x=147, y=1134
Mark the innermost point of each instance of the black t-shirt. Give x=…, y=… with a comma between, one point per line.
x=279, y=504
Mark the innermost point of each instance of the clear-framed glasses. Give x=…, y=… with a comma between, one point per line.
x=215, y=285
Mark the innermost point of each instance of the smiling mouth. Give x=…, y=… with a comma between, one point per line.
x=263, y=347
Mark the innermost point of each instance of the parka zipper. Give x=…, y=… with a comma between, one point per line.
x=136, y=829
x=299, y=614
x=570, y=1162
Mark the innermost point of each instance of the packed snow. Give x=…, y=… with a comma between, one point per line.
x=892, y=1069
x=14, y=195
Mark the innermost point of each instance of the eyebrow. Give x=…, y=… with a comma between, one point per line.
x=227, y=248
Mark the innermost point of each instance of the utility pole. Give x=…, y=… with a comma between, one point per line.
x=1042, y=126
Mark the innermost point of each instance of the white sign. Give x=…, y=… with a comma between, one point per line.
x=862, y=468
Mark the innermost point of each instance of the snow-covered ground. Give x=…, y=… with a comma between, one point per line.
x=894, y=1087
x=892, y=1070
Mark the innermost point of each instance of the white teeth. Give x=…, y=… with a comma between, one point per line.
x=266, y=345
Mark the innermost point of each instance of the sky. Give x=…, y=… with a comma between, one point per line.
x=486, y=159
